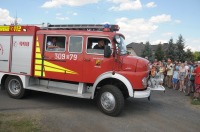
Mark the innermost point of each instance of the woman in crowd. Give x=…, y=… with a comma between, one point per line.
x=191, y=77
x=161, y=71
x=182, y=75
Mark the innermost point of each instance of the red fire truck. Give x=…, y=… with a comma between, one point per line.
x=85, y=61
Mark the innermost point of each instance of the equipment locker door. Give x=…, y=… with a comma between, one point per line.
x=22, y=54
x=4, y=53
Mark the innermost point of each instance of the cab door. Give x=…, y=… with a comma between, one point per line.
x=64, y=60
x=52, y=63
x=94, y=61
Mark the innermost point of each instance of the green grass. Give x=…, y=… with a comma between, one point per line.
x=195, y=102
x=18, y=123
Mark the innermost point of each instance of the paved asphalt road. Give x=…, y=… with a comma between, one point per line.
x=169, y=112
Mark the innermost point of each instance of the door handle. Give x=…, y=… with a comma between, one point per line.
x=87, y=60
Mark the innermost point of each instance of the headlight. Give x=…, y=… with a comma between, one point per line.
x=144, y=81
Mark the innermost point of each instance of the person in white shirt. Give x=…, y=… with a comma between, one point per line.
x=52, y=44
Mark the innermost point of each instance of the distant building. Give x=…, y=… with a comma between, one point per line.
x=137, y=48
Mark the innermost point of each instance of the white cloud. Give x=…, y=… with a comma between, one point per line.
x=160, y=18
x=58, y=14
x=62, y=18
x=126, y=5
x=159, y=41
x=193, y=49
x=177, y=21
x=193, y=44
x=59, y=3
x=136, y=30
x=167, y=34
x=5, y=17
x=151, y=5
x=142, y=30
x=74, y=14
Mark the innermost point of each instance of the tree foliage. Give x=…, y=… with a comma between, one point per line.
x=189, y=55
x=196, y=56
x=171, y=51
x=180, y=49
x=174, y=51
x=147, y=52
x=159, y=54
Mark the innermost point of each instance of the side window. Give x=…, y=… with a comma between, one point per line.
x=96, y=45
x=75, y=44
x=55, y=43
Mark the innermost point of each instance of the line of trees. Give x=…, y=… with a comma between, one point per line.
x=175, y=51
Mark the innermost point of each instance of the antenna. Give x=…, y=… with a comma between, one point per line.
x=15, y=21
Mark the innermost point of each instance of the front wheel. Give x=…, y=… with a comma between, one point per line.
x=110, y=100
x=14, y=87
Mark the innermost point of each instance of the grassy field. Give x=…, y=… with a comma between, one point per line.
x=18, y=123
x=195, y=101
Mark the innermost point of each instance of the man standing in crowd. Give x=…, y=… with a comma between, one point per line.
x=169, y=70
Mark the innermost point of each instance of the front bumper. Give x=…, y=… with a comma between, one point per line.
x=158, y=88
x=142, y=94
x=146, y=93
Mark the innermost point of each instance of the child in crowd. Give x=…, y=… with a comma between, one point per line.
x=161, y=72
x=175, y=78
x=153, y=77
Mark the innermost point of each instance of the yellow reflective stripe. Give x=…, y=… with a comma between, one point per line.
x=38, y=62
x=37, y=44
x=38, y=67
x=38, y=49
x=38, y=55
x=52, y=69
x=37, y=73
x=56, y=67
x=46, y=63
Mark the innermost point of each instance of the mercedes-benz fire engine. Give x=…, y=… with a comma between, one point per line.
x=71, y=65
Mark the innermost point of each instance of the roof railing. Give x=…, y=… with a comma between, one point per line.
x=87, y=27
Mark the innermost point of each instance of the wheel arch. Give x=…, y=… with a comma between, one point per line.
x=114, y=79
x=3, y=80
x=23, y=78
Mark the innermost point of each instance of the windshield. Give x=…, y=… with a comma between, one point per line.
x=122, y=46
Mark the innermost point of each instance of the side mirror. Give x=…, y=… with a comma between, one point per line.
x=117, y=39
x=107, y=51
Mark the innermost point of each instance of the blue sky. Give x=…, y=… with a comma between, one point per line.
x=140, y=20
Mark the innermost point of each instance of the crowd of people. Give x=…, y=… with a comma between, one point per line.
x=182, y=76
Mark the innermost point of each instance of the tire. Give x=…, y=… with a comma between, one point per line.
x=110, y=100
x=14, y=87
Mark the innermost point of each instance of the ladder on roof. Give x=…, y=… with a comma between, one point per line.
x=87, y=27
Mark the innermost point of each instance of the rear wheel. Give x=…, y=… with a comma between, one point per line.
x=110, y=100
x=14, y=87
